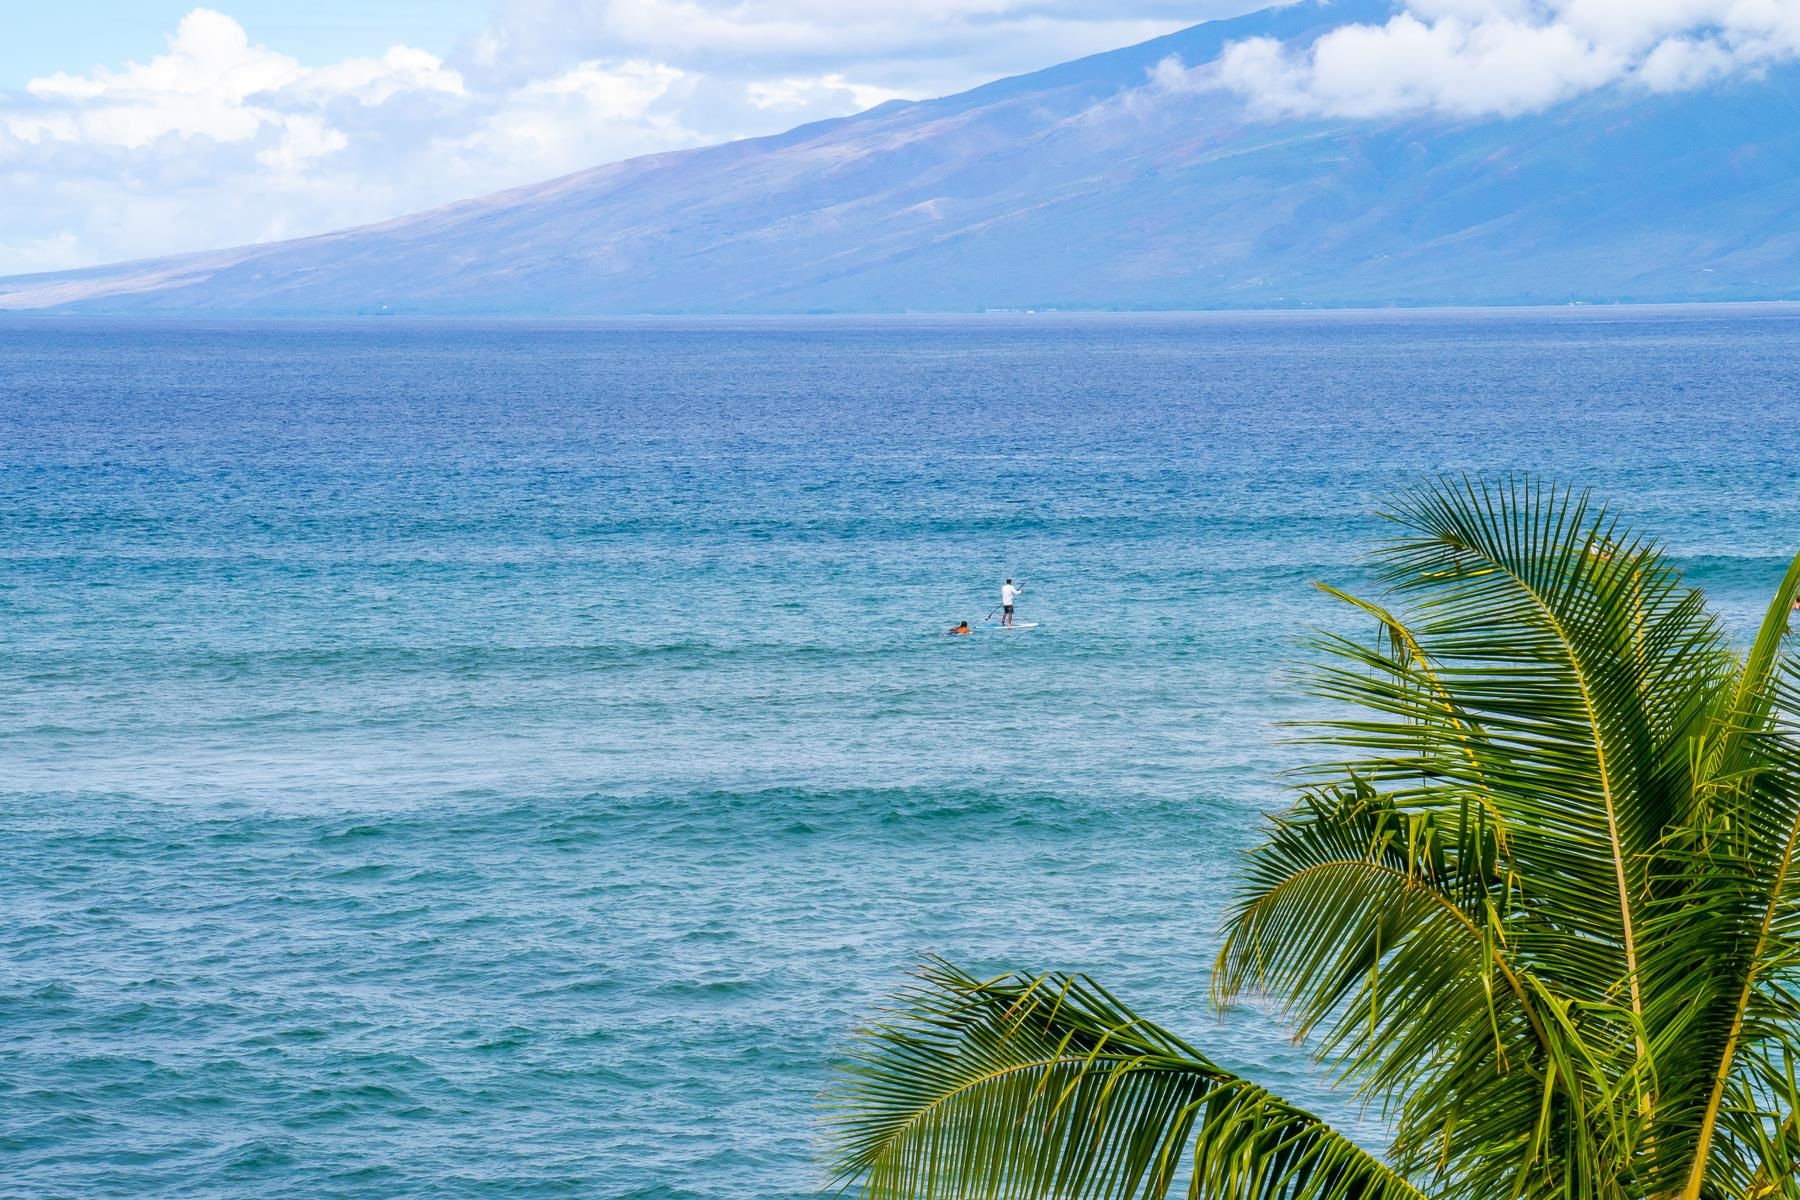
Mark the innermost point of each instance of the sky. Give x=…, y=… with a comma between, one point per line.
x=136, y=128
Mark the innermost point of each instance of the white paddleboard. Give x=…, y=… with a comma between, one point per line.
x=1016, y=625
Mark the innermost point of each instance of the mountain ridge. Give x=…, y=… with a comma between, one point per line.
x=1081, y=186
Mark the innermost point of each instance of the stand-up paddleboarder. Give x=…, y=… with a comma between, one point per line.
x=1008, y=593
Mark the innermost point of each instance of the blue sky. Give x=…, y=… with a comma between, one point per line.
x=134, y=128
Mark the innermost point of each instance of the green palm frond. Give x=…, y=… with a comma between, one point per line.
x=1578, y=660
x=1048, y=1086
x=1356, y=911
x=1385, y=931
x=1731, y=887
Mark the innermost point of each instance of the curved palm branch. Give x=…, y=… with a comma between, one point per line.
x=1048, y=1086
x=1386, y=928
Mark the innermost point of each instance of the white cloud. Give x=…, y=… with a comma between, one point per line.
x=377, y=80
x=1679, y=63
x=45, y=253
x=213, y=83
x=574, y=119
x=197, y=89
x=1506, y=57
x=211, y=87
x=219, y=140
x=303, y=139
x=801, y=93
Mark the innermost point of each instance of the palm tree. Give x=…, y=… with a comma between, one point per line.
x=1538, y=909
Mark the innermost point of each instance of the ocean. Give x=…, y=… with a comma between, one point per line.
x=460, y=759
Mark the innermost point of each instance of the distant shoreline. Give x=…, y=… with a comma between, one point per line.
x=997, y=315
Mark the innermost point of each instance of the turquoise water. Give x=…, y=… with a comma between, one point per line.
x=455, y=760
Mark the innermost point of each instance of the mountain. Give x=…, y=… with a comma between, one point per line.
x=1080, y=186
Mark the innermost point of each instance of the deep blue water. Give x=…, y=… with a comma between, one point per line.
x=453, y=760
